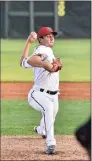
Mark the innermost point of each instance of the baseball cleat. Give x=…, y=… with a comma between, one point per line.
x=43, y=136
x=35, y=130
x=51, y=149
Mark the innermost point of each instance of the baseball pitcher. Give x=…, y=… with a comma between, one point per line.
x=44, y=94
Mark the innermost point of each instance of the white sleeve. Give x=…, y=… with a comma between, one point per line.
x=25, y=64
x=40, y=51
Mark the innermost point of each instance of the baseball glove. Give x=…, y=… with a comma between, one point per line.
x=57, y=65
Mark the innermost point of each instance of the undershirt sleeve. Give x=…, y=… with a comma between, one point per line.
x=25, y=64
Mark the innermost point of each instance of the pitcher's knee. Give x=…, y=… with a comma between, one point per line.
x=49, y=113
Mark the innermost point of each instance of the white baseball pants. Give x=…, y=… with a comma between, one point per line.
x=48, y=105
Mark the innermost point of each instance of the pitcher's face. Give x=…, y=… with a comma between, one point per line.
x=48, y=40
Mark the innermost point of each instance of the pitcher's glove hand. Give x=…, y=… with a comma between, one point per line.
x=57, y=65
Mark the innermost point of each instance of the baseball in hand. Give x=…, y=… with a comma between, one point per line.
x=32, y=37
x=34, y=34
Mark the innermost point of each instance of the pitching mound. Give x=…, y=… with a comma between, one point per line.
x=33, y=148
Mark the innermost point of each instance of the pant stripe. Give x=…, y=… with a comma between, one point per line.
x=41, y=107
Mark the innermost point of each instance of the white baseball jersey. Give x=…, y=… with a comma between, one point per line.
x=43, y=78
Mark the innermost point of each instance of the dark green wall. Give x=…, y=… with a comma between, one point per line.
x=75, y=23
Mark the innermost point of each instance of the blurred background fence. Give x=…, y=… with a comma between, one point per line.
x=69, y=18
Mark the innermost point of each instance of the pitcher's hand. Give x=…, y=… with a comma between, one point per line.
x=32, y=37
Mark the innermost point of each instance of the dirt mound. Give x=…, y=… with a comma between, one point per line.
x=33, y=148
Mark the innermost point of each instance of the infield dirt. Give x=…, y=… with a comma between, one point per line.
x=68, y=91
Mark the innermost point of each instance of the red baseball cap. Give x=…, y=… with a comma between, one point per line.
x=45, y=31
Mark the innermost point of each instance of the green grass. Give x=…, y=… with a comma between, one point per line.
x=18, y=118
x=75, y=55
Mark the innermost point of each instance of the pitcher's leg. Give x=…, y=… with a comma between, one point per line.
x=50, y=140
x=41, y=128
x=42, y=125
x=56, y=106
x=45, y=105
x=33, y=102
